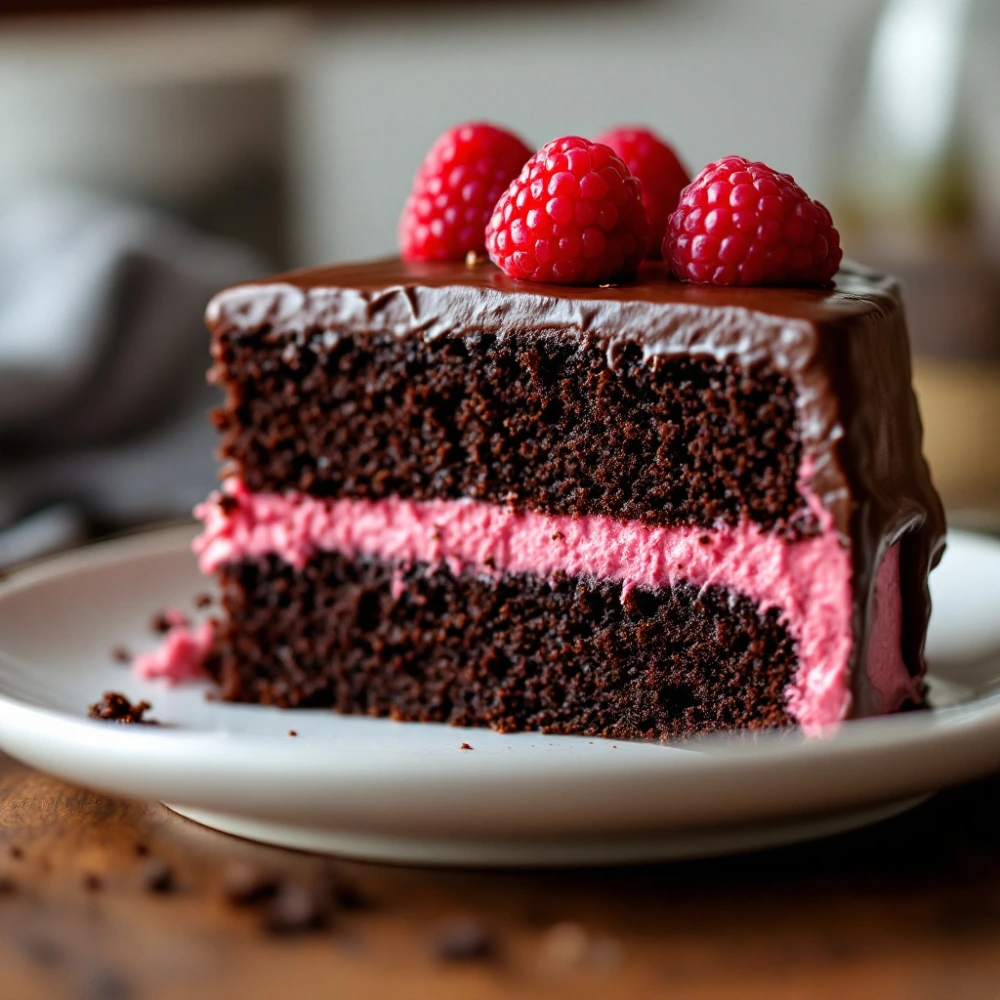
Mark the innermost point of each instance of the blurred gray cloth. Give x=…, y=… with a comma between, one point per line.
x=103, y=353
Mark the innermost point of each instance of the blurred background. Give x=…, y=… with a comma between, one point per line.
x=152, y=153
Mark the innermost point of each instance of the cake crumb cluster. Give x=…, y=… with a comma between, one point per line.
x=115, y=707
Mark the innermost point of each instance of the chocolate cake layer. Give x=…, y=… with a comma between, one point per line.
x=515, y=652
x=537, y=423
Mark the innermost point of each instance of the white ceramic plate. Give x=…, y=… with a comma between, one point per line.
x=378, y=789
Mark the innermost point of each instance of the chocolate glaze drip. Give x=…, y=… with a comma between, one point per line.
x=844, y=349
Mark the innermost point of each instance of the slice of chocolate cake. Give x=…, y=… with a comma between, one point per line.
x=639, y=511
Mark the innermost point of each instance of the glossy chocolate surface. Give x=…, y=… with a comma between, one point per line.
x=854, y=293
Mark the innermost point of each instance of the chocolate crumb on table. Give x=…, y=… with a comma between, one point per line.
x=121, y=654
x=157, y=876
x=163, y=621
x=159, y=624
x=348, y=896
x=292, y=732
x=465, y=746
x=297, y=908
x=204, y=601
x=569, y=945
x=462, y=940
x=290, y=905
x=115, y=707
x=244, y=884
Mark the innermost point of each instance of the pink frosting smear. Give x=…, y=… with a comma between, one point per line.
x=179, y=657
x=891, y=682
x=173, y=616
x=808, y=581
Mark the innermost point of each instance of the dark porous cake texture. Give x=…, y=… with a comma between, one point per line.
x=515, y=652
x=535, y=422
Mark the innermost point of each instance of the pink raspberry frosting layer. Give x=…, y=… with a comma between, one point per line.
x=808, y=581
x=179, y=657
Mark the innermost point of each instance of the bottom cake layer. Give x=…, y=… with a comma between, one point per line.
x=509, y=651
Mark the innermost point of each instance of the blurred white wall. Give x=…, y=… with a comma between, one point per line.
x=201, y=111
x=185, y=111
x=762, y=78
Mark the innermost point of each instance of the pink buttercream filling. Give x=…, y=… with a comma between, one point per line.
x=179, y=657
x=808, y=581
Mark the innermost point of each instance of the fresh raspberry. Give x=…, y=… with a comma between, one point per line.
x=742, y=223
x=658, y=170
x=455, y=189
x=573, y=216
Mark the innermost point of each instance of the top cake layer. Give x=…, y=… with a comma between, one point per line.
x=837, y=357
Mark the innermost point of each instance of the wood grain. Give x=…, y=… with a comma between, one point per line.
x=910, y=908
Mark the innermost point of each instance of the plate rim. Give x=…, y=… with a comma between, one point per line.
x=974, y=726
x=857, y=734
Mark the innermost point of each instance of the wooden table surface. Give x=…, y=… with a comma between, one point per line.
x=909, y=908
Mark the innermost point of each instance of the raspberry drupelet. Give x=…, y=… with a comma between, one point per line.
x=574, y=215
x=657, y=168
x=742, y=223
x=455, y=189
